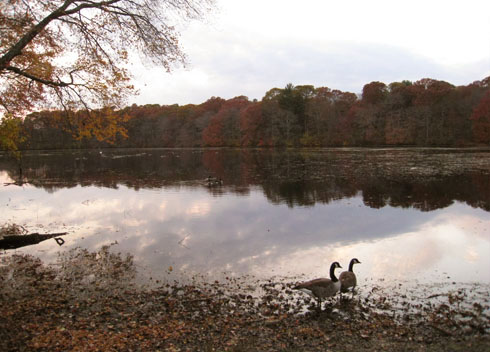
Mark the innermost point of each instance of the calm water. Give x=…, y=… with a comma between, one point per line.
x=405, y=213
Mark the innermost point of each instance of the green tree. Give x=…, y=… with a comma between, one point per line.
x=294, y=100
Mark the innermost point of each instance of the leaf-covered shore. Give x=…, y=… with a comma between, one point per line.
x=90, y=302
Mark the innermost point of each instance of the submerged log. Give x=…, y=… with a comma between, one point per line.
x=18, y=241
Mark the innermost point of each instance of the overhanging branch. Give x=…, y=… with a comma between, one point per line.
x=37, y=79
x=62, y=11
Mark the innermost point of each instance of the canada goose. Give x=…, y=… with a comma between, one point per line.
x=348, y=278
x=322, y=288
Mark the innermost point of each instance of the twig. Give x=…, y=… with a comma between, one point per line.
x=444, y=331
x=436, y=295
x=198, y=300
x=253, y=321
x=182, y=244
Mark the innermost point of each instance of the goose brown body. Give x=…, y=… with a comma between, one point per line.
x=320, y=288
x=323, y=287
x=347, y=278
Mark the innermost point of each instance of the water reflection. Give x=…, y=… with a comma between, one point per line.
x=419, y=178
x=278, y=213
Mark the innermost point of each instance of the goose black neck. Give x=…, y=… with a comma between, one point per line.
x=351, y=265
x=332, y=273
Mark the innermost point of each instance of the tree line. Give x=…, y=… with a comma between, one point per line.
x=427, y=112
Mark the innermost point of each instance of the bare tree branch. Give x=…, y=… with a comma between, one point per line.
x=37, y=79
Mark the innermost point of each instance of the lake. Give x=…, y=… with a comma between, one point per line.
x=409, y=215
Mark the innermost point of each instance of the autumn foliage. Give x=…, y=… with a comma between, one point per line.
x=423, y=113
x=73, y=55
x=481, y=120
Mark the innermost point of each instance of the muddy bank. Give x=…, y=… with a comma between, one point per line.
x=89, y=302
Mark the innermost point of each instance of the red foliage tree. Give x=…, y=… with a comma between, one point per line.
x=213, y=105
x=212, y=135
x=481, y=120
x=224, y=127
x=374, y=92
x=430, y=91
x=252, y=126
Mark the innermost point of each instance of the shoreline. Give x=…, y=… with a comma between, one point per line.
x=90, y=302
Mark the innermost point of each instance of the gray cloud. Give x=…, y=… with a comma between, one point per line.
x=233, y=66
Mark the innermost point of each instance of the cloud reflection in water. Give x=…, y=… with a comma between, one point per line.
x=194, y=232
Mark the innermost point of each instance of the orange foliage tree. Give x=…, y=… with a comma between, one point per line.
x=71, y=54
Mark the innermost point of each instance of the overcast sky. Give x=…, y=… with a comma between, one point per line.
x=249, y=47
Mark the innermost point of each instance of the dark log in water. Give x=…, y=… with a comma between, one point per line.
x=18, y=241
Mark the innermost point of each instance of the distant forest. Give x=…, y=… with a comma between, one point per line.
x=427, y=112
